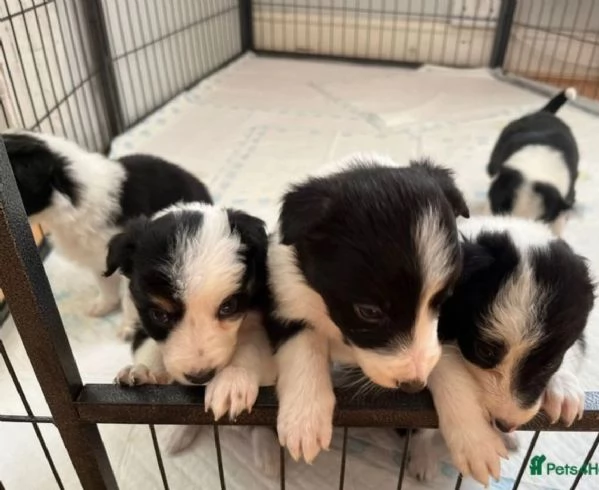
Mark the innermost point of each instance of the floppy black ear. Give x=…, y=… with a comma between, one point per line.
x=503, y=190
x=250, y=229
x=444, y=178
x=121, y=248
x=304, y=207
x=553, y=203
x=475, y=259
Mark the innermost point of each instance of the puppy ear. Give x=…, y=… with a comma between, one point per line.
x=503, y=190
x=121, y=248
x=475, y=259
x=444, y=178
x=304, y=208
x=250, y=229
x=553, y=203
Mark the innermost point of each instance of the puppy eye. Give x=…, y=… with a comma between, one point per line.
x=369, y=313
x=160, y=316
x=229, y=307
x=488, y=354
x=440, y=297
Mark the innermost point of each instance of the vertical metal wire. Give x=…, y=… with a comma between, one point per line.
x=141, y=85
x=171, y=42
x=199, y=52
x=586, y=462
x=159, y=457
x=282, y=467
x=343, y=458
x=558, y=36
x=394, y=31
x=473, y=31
x=586, y=80
x=404, y=459
x=219, y=458
x=407, y=28
x=518, y=65
x=484, y=53
x=571, y=37
x=150, y=69
x=12, y=84
x=531, y=446
x=433, y=32
x=446, y=33
x=15, y=379
x=458, y=482
x=460, y=27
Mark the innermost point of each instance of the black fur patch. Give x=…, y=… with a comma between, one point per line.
x=153, y=184
x=503, y=191
x=38, y=172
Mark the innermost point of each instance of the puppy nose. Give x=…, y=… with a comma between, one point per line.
x=200, y=377
x=504, y=426
x=412, y=386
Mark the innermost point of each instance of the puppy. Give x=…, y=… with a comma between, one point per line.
x=361, y=263
x=513, y=335
x=534, y=166
x=197, y=277
x=83, y=199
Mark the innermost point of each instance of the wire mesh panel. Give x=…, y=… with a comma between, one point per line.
x=455, y=33
x=555, y=41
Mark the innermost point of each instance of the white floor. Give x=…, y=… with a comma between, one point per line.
x=249, y=131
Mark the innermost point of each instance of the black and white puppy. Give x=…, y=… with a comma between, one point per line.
x=197, y=277
x=534, y=166
x=513, y=334
x=83, y=199
x=360, y=265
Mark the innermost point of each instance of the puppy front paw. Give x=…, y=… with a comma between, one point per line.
x=102, y=306
x=140, y=374
x=306, y=425
x=476, y=451
x=233, y=390
x=423, y=465
x=563, y=398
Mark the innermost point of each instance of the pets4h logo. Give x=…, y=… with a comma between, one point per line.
x=538, y=467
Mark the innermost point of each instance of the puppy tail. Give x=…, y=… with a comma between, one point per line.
x=559, y=100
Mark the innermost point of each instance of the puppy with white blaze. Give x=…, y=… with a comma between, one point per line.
x=360, y=265
x=83, y=199
x=197, y=276
x=513, y=335
x=534, y=167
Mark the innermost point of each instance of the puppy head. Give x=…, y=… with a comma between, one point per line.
x=39, y=171
x=522, y=301
x=194, y=272
x=379, y=245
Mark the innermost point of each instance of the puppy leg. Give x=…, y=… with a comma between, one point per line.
x=147, y=367
x=130, y=318
x=235, y=387
x=265, y=450
x=109, y=295
x=564, y=397
x=306, y=398
x=475, y=447
x=424, y=454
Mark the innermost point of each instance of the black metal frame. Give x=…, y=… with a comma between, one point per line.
x=75, y=408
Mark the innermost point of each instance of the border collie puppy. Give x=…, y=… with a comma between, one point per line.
x=513, y=334
x=83, y=199
x=197, y=277
x=362, y=260
x=534, y=166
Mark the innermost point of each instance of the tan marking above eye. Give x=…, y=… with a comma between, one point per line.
x=163, y=303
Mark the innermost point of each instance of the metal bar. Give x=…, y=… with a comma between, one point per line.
x=219, y=458
x=343, y=458
x=26, y=419
x=282, y=467
x=586, y=462
x=149, y=66
x=36, y=316
x=183, y=405
x=25, y=402
x=246, y=24
x=531, y=446
x=159, y=457
x=404, y=459
x=458, y=482
x=12, y=84
x=142, y=82
x=24, y=10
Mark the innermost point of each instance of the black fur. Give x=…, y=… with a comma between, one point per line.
x=353, y=233
x=38, y=172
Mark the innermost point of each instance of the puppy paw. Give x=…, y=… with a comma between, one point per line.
x=178, y=438
x=140, y=374
x=476, y=451
x=103, y=306
x=423, y=465
x=265, y=451
x=233, y=390
x=563, y=398
x=306, y=426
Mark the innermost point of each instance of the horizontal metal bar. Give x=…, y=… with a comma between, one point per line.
x=184, y=405
x=26, y=419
